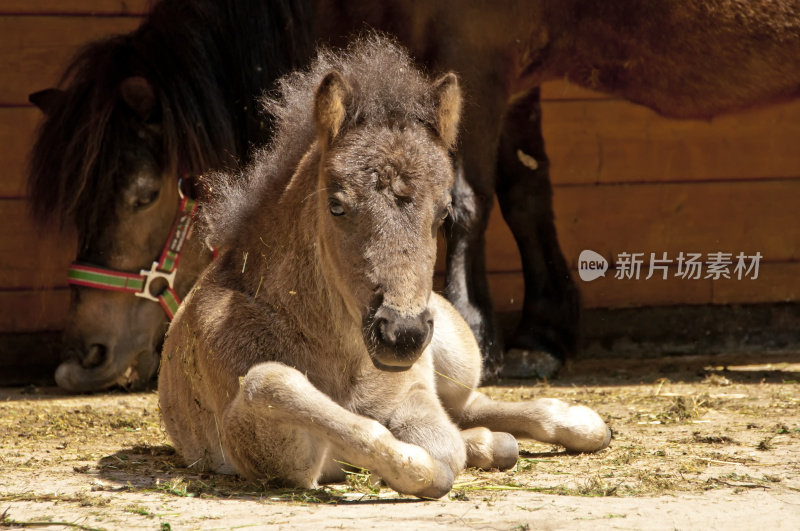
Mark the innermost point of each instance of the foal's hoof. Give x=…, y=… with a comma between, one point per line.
x=523, y=363
x=443, y=480
x=505, y=449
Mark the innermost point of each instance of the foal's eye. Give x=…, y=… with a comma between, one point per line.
x=336, y=207
x=447, y=212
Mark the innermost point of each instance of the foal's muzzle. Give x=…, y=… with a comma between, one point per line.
x=395, y=341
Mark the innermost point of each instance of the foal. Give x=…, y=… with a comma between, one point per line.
x=315, y=337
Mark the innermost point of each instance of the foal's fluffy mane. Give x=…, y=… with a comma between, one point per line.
x=387, y=89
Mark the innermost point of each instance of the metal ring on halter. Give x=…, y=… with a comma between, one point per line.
x=166, y=267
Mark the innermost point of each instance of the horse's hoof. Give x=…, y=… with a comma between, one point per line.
x=523, y=363
x=443, y=480
x=505, y=450
x=607, y=440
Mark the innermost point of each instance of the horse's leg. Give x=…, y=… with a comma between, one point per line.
x=548, y=327
x=473, y=196
x=280, y=425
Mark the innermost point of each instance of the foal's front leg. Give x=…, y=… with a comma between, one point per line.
x=280, y=425
x=421, y=420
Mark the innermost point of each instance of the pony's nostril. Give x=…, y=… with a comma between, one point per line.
x=94, y=356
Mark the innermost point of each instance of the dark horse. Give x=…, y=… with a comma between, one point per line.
x=684, y=58
x=176, y=98
x=315, y=338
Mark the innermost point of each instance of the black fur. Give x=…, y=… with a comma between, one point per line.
x=208, y=60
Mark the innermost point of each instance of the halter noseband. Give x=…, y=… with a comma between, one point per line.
x=167, y=266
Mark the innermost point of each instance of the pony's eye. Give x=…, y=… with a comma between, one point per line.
x=145, y=199
x=336, y=207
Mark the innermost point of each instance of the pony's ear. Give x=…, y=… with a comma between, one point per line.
x=138, y=94
x=47, y=100
x=330, y=105
x=448, y=108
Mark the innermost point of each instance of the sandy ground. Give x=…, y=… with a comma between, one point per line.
x=695, y=447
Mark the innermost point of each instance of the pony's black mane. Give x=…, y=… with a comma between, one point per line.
x=208, y=61
x=388, y=88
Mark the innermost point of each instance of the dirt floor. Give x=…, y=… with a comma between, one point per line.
x=695, y=446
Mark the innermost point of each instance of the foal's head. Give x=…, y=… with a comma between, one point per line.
x=384, y=178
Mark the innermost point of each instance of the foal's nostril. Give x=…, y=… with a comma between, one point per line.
x=387, y=331
x=94, y=356
x=404, y=333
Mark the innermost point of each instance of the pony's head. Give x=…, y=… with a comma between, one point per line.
x=100, y=164
x=136, y=112
x=107, y=161
x=384, y=183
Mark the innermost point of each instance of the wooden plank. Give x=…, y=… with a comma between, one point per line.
x=17, y=130
x=749, y=217
x=36, y=49
x=608, y=292
x=640, y=147
x=33, y=310
x=29, y=256
x=690, y=217
x=75, y=7
x=731, y=217
x=613, y=141
x=29, y=358
x=775, y=283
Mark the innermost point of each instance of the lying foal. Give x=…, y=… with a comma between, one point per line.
x=315, y=337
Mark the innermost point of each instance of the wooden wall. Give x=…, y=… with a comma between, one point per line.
x=37, y=40
x=625, y=180
x=628, y=180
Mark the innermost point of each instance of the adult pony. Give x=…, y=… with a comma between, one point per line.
x=137, y=113
x=693, y=58
x=683, y=58
x=315, y=339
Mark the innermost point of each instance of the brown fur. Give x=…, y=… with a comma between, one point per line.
x=683, y=58
x=315, y=338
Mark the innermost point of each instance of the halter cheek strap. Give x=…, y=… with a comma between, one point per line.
x=140, y=285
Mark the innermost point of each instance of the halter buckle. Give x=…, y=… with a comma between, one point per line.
x=152, y=274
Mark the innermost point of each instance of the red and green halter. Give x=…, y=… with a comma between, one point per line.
x=140, y=284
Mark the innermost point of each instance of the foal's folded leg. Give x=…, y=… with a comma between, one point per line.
x=277, y=408
x=421, y=420
x=577, y=428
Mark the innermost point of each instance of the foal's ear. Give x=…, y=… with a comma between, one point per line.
x=48, y=100
x=330, y=105
x=138, y=94
x=448, y=108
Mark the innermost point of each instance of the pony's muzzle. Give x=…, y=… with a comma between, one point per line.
x=397, y=340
